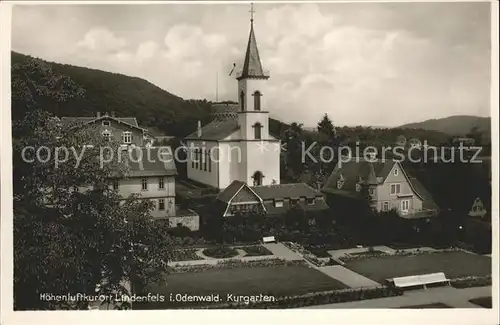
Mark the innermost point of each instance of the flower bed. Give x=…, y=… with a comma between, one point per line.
x=318, y=251
x=471, y=281
x=257, y=250
x=237, y=263
x=220, y=252
x=184, y=255
x=318, y=298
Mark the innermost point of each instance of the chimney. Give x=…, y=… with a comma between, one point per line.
x=113, y=114
x=98, y=114
x=199, y=129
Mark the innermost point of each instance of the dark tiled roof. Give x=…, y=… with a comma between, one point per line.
x=427, y=200
x=318, y=205
x=252, y=66
x=352, y=170
x=84, y=120
x=295, y=190
x=216, y=130
x=159, y=163
x=155, y=132
x=229, y=192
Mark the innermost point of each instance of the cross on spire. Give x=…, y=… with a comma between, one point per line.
x=252, y=11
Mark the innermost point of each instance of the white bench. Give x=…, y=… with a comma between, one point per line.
x=419, y=280
x=269, y=239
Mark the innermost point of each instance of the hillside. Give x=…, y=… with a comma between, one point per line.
x=166, y=112
x=453, y=125
x=127, y=96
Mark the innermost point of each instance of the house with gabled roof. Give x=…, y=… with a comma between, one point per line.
x=384, y=183
x=270, y=200
x=152, y=176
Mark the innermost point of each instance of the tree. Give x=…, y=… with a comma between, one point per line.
x=71, y=234
x=325, y=127
x=475, y=133
x=294, y=149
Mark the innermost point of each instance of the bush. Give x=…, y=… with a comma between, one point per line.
x=187, y=241
x=318, y=251
x=258, y=250
x=236, y=263
x=184, y=255
x=220, y=252
x=471, y=281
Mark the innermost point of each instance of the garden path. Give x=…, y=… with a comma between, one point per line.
x=348, y=277
x=281, y=251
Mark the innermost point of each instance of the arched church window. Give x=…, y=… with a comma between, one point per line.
x=257, y=178
x=242, y=100
x=257, y=129
x=256, y=100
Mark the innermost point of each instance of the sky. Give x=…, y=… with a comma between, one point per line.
x=379, y=64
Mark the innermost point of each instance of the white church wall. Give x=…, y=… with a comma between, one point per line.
x=232, y=163
x=266, y=161
x=198, y=172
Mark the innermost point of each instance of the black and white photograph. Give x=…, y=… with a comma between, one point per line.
x=314, y=156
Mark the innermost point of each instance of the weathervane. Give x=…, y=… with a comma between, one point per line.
x=252, y=11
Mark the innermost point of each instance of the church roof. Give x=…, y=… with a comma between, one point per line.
x=216, y=130
x=252, y=66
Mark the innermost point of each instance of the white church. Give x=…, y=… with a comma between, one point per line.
x=236, y=145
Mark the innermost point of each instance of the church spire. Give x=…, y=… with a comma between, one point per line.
x=252, y=67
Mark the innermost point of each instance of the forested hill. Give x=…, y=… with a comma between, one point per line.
x=127, y=96
x=454, y=125
x=154, y=107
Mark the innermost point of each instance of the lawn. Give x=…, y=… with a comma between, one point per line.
x=454, y=264
x=433, y=305
x=484, y=302
x=276, y=281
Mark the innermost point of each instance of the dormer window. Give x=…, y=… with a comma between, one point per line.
x=310, y=201
x=278, y=203
x=358, y=187
x=106, y=123
x=340, y=183
x=256, y=100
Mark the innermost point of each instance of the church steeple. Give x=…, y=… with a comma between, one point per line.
x=252, y=67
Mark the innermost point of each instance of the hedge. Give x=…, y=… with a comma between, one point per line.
x=237, y=263
x=318, y=298
x=471, y=281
